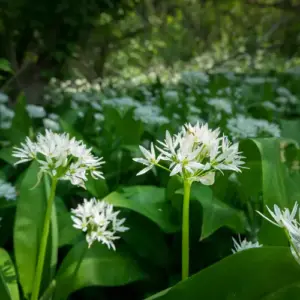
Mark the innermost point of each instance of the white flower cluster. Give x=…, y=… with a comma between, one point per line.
x=7, y=191
x=221, y=104
x=61, y=157
x=195, y=153
x=150, y=114
x=35, y=111
x=3, y=98
x=121, y=104
x=241, y=245
x=286, y=220
x=194, y=78
x=99, y=221
x=6, y=116
x=245, y=127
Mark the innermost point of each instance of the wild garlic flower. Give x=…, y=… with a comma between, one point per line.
x=241, y=245
x=51, y=124
x=281, y=217
x=99, y=221
x=286, y=220
x=195, y=154
x=35, y=111
x=243, y=127
x=61, y=157
x=3, y=98
x=221, y=104
x=7, y=191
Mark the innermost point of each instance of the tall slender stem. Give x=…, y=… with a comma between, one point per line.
x=43, y=245
x=185, y=229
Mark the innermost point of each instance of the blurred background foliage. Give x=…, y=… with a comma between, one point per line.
x=107, y=38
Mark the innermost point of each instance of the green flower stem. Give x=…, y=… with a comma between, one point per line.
x=43, y=245
x=185, y=229
x=291, y=243
x=159, y=165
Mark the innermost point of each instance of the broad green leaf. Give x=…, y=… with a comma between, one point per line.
x=4, y=291
x=99, y=267
x=146, y=239
x=149, y=201
x=249, y=275
x=31, y=207
x=97, y=187
x=5, y=65
x=286, y=293
x=216, y=213
x=6, y=155
x=274, y=187
x=9, y=284
x=67, y=233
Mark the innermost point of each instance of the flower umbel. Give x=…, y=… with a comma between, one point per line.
x=241, y=245
x=60, y=156
x=286, y=219
x=99, y=221
x=195, y=154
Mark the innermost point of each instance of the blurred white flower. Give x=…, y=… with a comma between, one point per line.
x=194, y=78
x=51, y=124
x=54, y=117
x=195, y=153
x=221, y=104
x=245, y=127
x=269, y=105
x=99, y=221
x=150, y=114
x=241, y=245
x=35, y=111
x=60, y=157
x=3, y=98
x=5, y=112
x=7, y=191
x=171, y=96
x=99, y=117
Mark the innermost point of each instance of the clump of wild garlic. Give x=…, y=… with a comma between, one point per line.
x=61, y=157
x=99, y=221
x=286, y=219
x=244, y=244
x=195, y=154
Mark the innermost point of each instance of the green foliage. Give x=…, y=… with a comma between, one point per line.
x=28, y=229
x=99, y=267
x=149, y=201
x=253, y=274
x=8, y=278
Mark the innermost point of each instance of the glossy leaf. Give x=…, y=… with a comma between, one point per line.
x=216, y=213
x=31, y=207
x=149, y=201
x=274, y=187
x=248, y=275
x=100, y=267
x=8, y=284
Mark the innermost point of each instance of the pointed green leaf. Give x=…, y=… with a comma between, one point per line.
x=31, y=207
x=99, y=267
x=149, y=201
x=248, y=275
x=9, y=285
